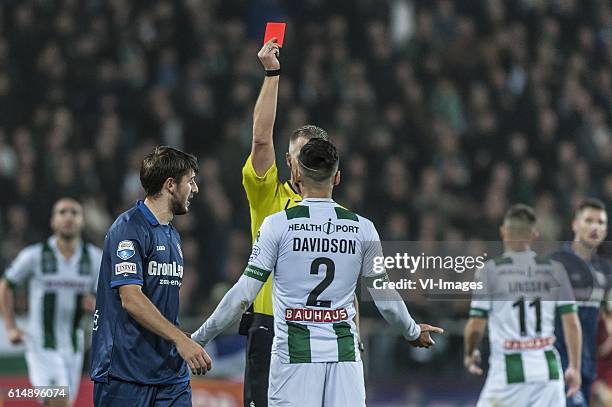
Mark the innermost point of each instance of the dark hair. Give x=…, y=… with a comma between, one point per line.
x=162, y=163
x=591, y=203
x=520, y=215
x=308, y=131
x=68, y=197
x=318, y=159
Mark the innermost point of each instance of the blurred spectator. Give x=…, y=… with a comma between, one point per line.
x=444, y=112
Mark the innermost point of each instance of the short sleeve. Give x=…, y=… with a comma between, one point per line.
x=372, y=264
x=265, y=252
x=96, y=260
x=24, y=265
x=481, y=301
x=126, y=253
x=260, y=191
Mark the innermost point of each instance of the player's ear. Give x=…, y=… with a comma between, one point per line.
x=535, y=234
x=575, y=225
x=295, y=174
x=170, y=185
x=502, y=232
x=337, y=178
x=288, y=159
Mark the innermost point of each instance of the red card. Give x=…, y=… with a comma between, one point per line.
x=275, y=30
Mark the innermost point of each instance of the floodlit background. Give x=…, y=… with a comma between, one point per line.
x=445, y=112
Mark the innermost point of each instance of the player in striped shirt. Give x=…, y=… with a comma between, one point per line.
x=61, y=273
x=316, y=252
x=521, y=295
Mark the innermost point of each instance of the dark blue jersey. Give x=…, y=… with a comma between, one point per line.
x=137, y=250
x=589, y=281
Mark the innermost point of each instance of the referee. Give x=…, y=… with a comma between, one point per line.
x=267, y=195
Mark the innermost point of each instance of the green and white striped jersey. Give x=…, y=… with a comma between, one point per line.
x=55, y=287
x=522, y=293
x=317, y=252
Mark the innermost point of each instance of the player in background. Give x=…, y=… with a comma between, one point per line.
x=267, y=195
x=316, y=252
x=522, y=291
x=139, y=355
x=587, y=272
x=61, y=273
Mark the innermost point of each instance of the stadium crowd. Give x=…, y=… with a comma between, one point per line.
x=444, y=112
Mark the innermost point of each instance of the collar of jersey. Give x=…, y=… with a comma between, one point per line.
x=147, y=212
x=517, y=253
x=568, y=248
x=52, y=240
x=312, y=200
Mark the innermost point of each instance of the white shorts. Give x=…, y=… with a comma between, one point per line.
x=533, y=394
x=316, y=384
x=48, y=367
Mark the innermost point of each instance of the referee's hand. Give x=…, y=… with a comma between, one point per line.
x=196, y=357
x=268, y=55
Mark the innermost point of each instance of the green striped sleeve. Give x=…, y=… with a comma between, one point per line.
x=478, y=312
x=256, y=273
x=567, y=308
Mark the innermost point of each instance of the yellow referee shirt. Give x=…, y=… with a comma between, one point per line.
x=266, y=195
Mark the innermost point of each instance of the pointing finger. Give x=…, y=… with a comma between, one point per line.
x=431, y=328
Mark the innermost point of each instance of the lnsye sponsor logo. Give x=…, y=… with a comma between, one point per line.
x=125, y=268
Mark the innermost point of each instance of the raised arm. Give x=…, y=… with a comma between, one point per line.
x=262, y=149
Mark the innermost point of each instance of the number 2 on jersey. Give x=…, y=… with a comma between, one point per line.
x=537, y=304
x=330, y=270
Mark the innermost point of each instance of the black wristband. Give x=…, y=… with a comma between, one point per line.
x=273, y=72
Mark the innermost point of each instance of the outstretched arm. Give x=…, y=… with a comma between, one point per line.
x=392, y=307
x=229, y=310
x=262, y=149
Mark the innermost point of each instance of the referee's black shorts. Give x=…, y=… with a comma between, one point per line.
x=259, y=348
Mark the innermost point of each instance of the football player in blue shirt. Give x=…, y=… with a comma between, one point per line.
x=588, y=274
x=139, y=355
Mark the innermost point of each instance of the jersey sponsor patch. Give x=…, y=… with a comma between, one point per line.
x=125, y=250
x=125, y=268
x=529, y=344
x=315, y=315
x=254, y=253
